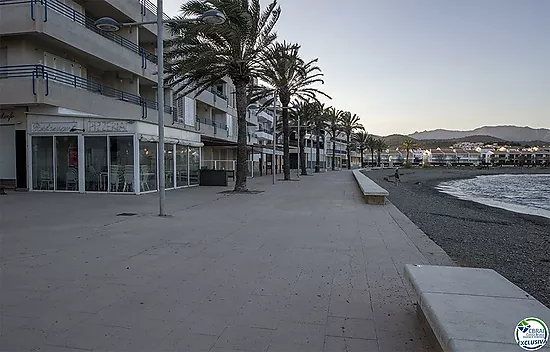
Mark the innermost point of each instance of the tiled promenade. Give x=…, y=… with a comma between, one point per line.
x=304, y=266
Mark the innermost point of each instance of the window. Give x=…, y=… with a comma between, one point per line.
x=194, y=165
x=3, y=59
x=121, y=170
x=169, y=165
x=148, y=166
x=182, y=165
x=66, y=152
x=42, y=163
x=95, y=161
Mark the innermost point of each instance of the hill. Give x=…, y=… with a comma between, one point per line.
x=506, y=133
x=396, y=141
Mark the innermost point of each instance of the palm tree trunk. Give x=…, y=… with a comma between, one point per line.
x=348, y=151
x=286, y=139
x=407, y=161
x=333, y=151
x=362, y=162
x=372, y=157
x=379, y=158
x=242, y=154
x=317, y=168
x=303, y=165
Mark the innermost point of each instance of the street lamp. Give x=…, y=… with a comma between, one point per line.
x=107, y=24
x=212, y=17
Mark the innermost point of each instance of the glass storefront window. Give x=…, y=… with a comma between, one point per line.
x=42, y=163
x=95, y=160
x=194, y=165
x=121, y=172
x=66, y=152
x=148, y=166
x=169, y=165
x=182, y=174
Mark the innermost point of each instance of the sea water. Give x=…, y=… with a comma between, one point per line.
x=528, y=194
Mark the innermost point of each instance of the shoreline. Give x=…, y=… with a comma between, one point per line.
x=516, y=245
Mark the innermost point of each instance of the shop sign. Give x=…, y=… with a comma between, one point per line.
x=53, y=127
x=107, y=126
x=6, y=116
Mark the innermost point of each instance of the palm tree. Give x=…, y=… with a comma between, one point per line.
x=371, y=144
x=361, y=141
x=350, y=123
x=408, y=144
x=380, y=145
x=319, y=125
x=200, y=55
x=334, y=122
x=284, y=70
x=303, y=113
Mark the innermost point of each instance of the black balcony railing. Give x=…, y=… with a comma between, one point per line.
x=266, y=130
x=88, y=22
x=50, y=74
x=218, y=93
x=209, y=122
x=148, y=5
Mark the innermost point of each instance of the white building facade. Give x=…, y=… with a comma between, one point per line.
x=78, y=105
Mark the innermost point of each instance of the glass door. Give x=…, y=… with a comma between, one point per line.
x=42, y=163
x=182, y=165
x=66, y=152
x=169, y=165
x=95, y=155
x=194, y=165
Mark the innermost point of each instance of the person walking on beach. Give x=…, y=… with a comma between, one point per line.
x=397, y=180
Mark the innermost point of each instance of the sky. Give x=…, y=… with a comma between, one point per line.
x=412, y=65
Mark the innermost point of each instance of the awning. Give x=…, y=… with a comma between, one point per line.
x=167, y=140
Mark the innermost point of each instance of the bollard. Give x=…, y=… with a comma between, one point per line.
x=2, y=191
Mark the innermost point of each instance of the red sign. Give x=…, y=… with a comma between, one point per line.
x=73, y=156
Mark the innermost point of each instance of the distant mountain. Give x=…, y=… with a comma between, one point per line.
x=507, y=133
x=396, y=141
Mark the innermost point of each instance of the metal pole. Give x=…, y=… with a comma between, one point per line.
x=160, y=105
x=298, y=173
x=274, y=134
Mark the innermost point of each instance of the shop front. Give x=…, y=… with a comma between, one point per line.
x=13, y=148
x=73, y=154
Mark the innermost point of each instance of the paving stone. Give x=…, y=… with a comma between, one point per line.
x=298, y=335
x=349, y=327
x=346, y=344
x=245, y=338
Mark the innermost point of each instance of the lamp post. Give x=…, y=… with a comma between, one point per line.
x=274, y=134
x=107, y=24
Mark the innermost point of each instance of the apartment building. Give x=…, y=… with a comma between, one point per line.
x=504, y=156
x=216, y=121
x=452, y=156
x=260, y=130
x=340, y=153
x=78, y=105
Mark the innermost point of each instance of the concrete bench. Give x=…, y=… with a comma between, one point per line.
x=372, y=193
x=470, y=309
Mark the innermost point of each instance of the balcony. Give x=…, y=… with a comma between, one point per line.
x=264, y=134
x=264, y=117
x=39, y=84
x=214, y=129
x=75, y=30
x=217, y=100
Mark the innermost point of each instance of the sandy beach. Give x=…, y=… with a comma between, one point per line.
x=515, y=245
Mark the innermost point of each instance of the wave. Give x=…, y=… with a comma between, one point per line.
x=527, y=194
